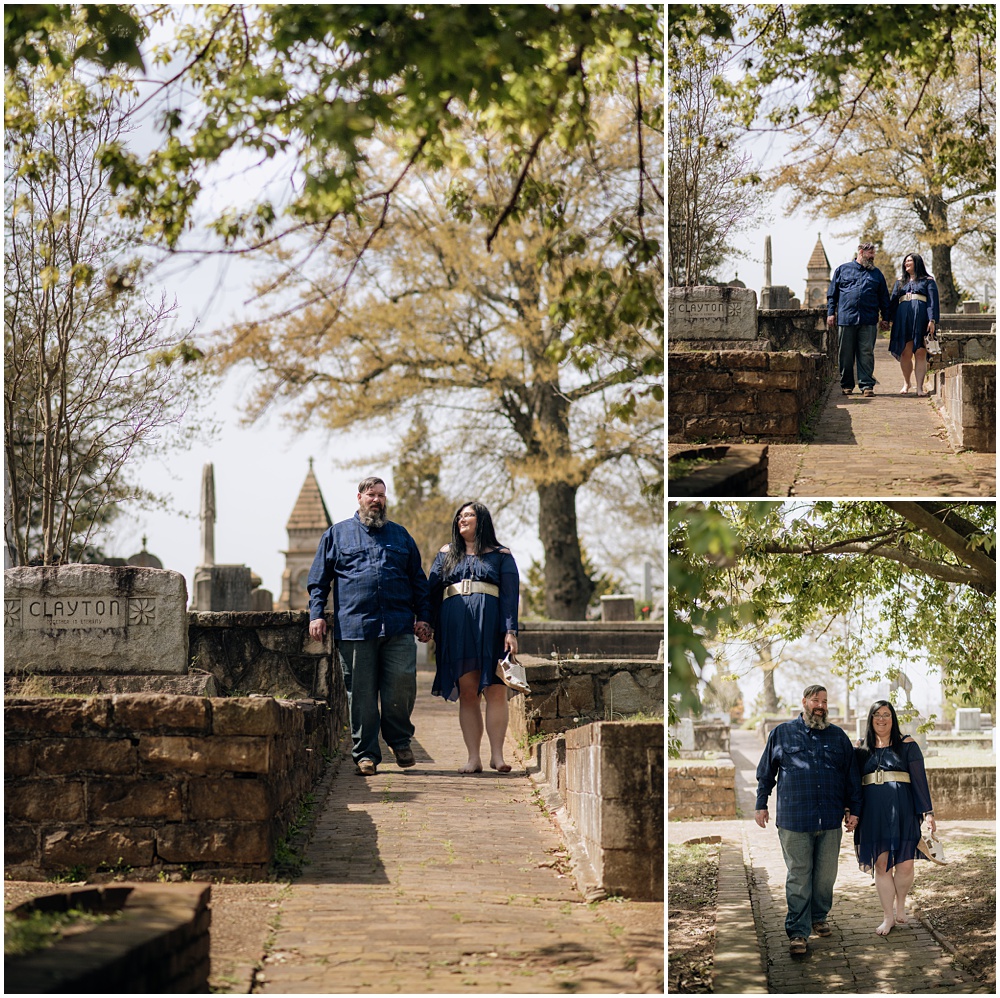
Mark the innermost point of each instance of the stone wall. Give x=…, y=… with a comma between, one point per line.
x=159, y=944
x=967, y=393
x=745, y=394
x=266, y=652
x=156, y=784
x=966, y=793
x=614, y=796
x=571, y=692
x=802, y=329
x=592, y=638
x=701, y=790
x=964, y=347
x=736, y=470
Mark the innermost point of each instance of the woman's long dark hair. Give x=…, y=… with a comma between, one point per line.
x=895, y=735
x=486, y=538
x=919, y=270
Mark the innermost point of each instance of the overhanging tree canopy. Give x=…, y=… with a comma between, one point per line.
x=920, y=576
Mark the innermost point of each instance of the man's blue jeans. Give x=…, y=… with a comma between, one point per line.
x=386, y=669
x=811, y=859
x=857, y=345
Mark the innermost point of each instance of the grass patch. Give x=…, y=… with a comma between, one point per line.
x=42, y=929
x=692, y=896
x=959, y=899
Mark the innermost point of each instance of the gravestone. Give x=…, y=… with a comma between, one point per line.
x=967, y=720
x=685, y=732
x=617, y=608
x=94, y=619
x=222, y=588
x=712, y=313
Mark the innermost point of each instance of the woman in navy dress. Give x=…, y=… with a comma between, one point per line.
x=895, y=799
x=474, y=593
x=915, y=314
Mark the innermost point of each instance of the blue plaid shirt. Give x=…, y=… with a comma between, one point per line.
x=376, y=579
x=816, y=776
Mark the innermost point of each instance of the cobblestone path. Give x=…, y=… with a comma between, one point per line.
x=889, y=445
x=426, y=881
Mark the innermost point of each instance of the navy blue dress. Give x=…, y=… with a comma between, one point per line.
x=910, y=318
x=469, y=630
x=891, y=812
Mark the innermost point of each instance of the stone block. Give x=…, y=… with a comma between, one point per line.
x=48, y=800
x=246, y=716
x=710, y=312
x=18, y=759
x=64, y=848
x=165, y=753
x=771, y=425
x=20, y=844
x=727, y=402
x=57, y=717
x=215, y=843
x=695, y=382
x=577, y=697
x=793, y=380
x=626, y=824
x=158, y=712
x=687, y=404
x=94, y=619
x=125, y=801
x=790, y=362
x=718, y=426
x=631, y=873
x=235, y=800
x=63, y=756
x=625, y=696
x=778, y=402
x=744, y=360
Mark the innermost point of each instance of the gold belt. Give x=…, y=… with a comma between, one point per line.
x=913, y=297
x=885, y=776
x=467, y=586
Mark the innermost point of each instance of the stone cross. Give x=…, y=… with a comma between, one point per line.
x=767, y=261
x=208, y=515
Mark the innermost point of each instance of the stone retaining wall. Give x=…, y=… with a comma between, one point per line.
x=568, y=693
x=149, y=784
x=614, y=795
x=745, y=394
x=967, y=393
x=964, y=347
x=964, y=793
x=701, y=790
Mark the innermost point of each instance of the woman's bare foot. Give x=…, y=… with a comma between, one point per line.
x=472, y=767
x=904, y=389
x=901, y=918
x=885, y=928
x=502, y=767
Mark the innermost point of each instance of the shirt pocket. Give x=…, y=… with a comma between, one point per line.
x=394, y=560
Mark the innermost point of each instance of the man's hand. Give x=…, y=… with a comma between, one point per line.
x=831, y=321
x=423, y=631
x=761, y=817
x=317, y=629
x=850, y=822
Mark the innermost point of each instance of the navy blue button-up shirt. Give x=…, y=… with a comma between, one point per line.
x=857, y=295
x=816, y=776
x=376, y=579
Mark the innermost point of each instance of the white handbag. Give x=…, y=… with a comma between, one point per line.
x=512, y=673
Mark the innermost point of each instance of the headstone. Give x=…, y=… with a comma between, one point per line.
x=221, y=588
x=712, y=313
x=860, y=727
x=971, y=308
x=967, y=720
x=87, y=619
x=617, y=608
x=776, y=296
x=685, y=731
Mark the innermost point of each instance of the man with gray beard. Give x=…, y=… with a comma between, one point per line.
x=380, y=601
x=818, y=788
x=856, y=295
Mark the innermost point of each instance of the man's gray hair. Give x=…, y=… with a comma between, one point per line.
x=366, y=483
x=866, y=246
x=811, y=691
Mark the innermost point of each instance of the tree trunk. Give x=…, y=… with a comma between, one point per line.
x=941, y=268
x=567, y=586
x=768, y=665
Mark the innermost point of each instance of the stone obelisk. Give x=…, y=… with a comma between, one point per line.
x=207, y=516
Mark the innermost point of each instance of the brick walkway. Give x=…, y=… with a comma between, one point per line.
x=889, y=445
x=425, y=881
x=850, y=961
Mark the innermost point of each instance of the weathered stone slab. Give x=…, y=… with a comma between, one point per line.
x=77, y=619
x=712, y=313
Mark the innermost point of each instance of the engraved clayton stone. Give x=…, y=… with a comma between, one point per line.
x=77, y=619
x=712, y=313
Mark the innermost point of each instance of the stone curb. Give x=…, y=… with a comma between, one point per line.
x=737, y=964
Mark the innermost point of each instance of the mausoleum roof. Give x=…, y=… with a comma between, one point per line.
x=818, y=258
x=144, y=559
x=310, y=512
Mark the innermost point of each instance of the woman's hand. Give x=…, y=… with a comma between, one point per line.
x=931, y=824
x=510, y=643
x=930, y=329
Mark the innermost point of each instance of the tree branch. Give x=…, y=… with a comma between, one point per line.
x=923, y=517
